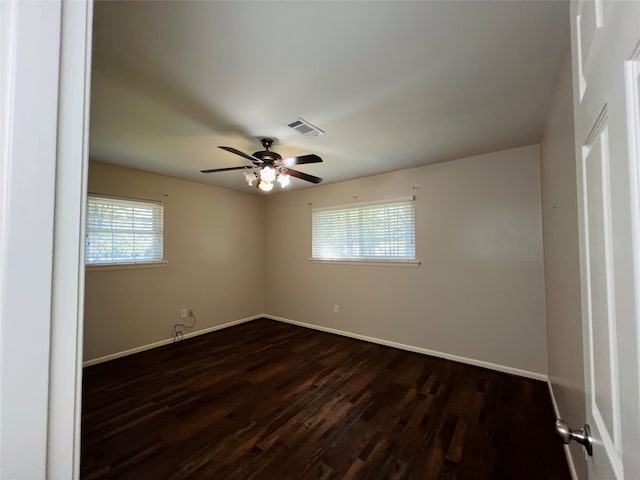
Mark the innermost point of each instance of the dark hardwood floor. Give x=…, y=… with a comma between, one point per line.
x=267, y=400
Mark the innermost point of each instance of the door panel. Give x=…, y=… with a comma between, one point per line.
x=600, y=314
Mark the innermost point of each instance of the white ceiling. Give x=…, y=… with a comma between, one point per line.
x=393, y=84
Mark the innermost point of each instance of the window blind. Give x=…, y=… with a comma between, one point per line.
x=380, y=231
x=123, y=231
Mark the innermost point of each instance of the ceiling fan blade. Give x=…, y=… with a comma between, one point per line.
x=251, y=158
x=289, y=162
x=212, y=170
x=303, y=176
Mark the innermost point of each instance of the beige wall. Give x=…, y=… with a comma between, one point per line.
x=562, y=262
x=479, y=292
x=214, y=245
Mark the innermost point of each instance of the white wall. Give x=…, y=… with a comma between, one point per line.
x=213, y=242
x=479, y=292
x=562, y=261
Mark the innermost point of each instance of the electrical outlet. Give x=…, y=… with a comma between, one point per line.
x=191, y=312
x=183, y=313
x=336, y=308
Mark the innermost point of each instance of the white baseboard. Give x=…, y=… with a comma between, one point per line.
x=388, y=343
x=411, y=348
x=567, y=451
x=160, y=343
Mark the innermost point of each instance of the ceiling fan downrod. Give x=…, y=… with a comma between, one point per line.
x=266, y=143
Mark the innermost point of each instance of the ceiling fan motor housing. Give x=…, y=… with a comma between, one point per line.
x=267, y=156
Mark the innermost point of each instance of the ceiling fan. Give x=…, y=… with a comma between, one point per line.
x=269, y=166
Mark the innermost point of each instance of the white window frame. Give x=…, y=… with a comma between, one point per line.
x=358, y=209
x=158, y=230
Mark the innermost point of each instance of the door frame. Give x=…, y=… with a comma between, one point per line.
x=44, y=90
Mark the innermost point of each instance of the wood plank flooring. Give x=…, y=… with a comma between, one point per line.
x=267, y=400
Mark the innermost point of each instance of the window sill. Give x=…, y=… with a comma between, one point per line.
x=375, y=263
x=125, y=266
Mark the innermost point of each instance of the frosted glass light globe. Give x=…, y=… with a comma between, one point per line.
x=265, y=186
x=283, y=180
x=268, y=174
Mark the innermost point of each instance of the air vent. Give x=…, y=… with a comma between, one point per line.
x=305, y=128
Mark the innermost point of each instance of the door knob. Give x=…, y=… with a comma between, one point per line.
x=581, y=435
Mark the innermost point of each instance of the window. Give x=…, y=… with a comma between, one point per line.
x=380, y=231
x=123, y=230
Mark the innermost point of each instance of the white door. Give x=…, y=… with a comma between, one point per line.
x=606, y=79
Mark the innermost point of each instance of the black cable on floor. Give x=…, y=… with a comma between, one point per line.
x=178, y=336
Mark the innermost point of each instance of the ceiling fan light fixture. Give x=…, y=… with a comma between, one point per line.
x=268, y=174
x=250, y=177
x=265, y=186
x=283, y=180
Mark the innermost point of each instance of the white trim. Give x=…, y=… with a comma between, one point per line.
x=368, y=263
x=411, y=348
x=67, y=307
x=167, y=341
x=632, y=77
x=387, y=201
x=30, y=33
x=567, y=450
x=556, y=411
x=109, y=196
x=101, y=267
